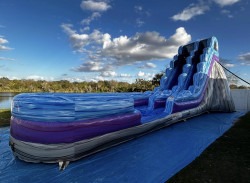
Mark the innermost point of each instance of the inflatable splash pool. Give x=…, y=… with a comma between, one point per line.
x=56, y=127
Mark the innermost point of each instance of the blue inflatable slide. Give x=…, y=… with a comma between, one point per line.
x=63, y=127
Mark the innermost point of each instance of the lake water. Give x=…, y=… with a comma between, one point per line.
x=5, y=99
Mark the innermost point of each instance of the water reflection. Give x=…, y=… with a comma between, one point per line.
x=5, y=99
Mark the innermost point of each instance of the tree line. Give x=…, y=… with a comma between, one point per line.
x=140, y=85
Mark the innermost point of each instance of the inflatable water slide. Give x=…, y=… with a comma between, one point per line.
x=63, y=127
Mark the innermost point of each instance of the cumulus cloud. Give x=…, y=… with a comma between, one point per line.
x=190, y=12
x=144, y=46
x=112, y=75
x=97, y=78
x=87, y=28
x=2, y=44
x=80, y=41
x=93, y=5
x=104, y=53
x=3, y=41
x=90, y=66
x=108, y=74
x=225, y=2
x=245, y=57
x=97, y=7
x=146, y=76
x=140, y=74
x=68, y=29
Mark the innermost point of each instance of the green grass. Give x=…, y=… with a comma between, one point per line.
x=226, y=160
x=5, y=117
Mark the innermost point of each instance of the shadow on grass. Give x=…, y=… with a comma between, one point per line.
x=5, y=117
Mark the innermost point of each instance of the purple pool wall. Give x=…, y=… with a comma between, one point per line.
x=56, y=132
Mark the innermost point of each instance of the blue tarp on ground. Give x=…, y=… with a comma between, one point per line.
x=152, y=158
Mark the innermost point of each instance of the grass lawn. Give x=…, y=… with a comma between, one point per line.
x=4, y=117
x=226, y=160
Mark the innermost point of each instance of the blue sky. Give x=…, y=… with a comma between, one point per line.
x=91, y=40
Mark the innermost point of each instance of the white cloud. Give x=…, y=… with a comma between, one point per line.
x=2, y=46
x=68, y=29
x=141, y=11
x=80, y=41
x=112, y=75
x=74, y=79
x=10, y=77
x=138, y=9
x=227, y=13
x=140, y=74
x=90, y=66
x=108, y=74
x=125, y=75
x=85, y=29
x=3, y=41
x=139, y=22
x=88, y=20
x=148, y=65
x=245, y=57
x=142, y=14
x=97, y=78
x=104, y=53
x=191, y=11
x=144, y=46
x=200, y=8
x=225, y=2
x=244, y=63
x=96, y=6
x=92, y=5
x=125, y=50
x=37, y=78
x=7, y=59
x=229, y=65
x=146, y=76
